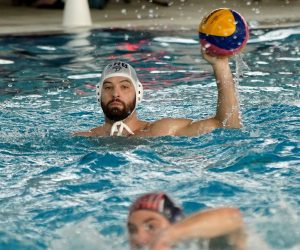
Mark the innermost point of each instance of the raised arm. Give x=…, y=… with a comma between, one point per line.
x=208, y=224
x=228, y=111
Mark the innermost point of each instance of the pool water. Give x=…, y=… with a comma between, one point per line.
x=65, y=192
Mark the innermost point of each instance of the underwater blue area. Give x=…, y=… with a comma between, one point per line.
x=64, y=192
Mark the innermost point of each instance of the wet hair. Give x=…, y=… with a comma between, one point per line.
x=158, y=202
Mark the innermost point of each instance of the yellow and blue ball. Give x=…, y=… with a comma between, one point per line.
x=223, y=32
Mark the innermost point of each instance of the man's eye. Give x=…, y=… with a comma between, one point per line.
x=150, y=227
x=124, y=87
x=107, y=87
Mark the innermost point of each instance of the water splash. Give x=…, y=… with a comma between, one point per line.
x=240, y=67
x=83, y=235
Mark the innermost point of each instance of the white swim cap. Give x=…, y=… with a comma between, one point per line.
x=119, y=68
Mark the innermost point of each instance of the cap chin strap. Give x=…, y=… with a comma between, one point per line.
x=120, y=125
x=118, y=128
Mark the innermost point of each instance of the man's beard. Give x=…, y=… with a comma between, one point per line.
x=117, y=113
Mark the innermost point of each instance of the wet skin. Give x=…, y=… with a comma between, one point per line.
x=143, y=227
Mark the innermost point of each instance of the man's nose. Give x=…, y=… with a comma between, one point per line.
x=141, y=238
x=116, y=92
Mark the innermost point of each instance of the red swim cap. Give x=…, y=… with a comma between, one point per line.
x=158, y=202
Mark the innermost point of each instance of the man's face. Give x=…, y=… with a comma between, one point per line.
x=117, y=98
x=143, y=226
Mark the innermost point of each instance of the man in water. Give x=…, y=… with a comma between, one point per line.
x=119, y=91
x=155, y=222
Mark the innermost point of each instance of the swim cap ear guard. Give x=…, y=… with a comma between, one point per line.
x=119, y=68
x=160, y=203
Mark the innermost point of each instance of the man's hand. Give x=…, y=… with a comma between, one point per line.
x=213, y=59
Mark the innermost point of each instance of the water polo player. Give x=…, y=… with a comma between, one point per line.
x=155, y=222
x=120, y=91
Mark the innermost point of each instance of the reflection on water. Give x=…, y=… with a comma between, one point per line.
x=59, y=191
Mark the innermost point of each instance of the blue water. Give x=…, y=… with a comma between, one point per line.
x=64, y=192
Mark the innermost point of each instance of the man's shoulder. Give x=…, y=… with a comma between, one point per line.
x=98, y=131
x=170, y=122
x=167, y=126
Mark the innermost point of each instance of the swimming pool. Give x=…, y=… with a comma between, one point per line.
x=64, y=192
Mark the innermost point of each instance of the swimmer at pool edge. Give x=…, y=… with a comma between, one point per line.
x=155, y=222
x=119, y=91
